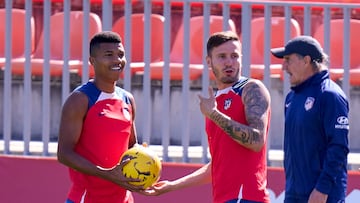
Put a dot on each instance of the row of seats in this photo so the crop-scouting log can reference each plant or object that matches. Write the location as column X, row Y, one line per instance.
column 336, row 43
column 336, row 51
column 56, row 42
column 137, row 65
column 76, row 23
column 176, row 54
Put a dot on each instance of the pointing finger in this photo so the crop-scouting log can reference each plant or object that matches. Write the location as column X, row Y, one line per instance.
column 211, row 92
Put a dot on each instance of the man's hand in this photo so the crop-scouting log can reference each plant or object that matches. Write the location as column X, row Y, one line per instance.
column 207, row 105
column 159, row 188
column 116, row 175
column 317, row 197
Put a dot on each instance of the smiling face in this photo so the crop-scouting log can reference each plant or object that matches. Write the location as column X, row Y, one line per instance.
column 225, row 62
column 108, row 60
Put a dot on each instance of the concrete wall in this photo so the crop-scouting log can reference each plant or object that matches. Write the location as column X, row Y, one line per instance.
column 176, row 110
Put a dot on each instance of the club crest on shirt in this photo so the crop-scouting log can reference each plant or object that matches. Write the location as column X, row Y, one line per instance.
column 309, row 103
column 227, row 104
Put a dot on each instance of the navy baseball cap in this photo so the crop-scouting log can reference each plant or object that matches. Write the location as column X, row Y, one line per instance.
column 303, row 45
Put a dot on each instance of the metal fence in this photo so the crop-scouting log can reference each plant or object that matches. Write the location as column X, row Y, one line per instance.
column 30, row 102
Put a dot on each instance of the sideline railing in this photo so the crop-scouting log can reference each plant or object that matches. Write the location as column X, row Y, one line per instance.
column 31, row 104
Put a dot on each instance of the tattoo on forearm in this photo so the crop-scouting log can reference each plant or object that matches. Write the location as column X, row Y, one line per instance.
column 247, row 136
column 238, row 132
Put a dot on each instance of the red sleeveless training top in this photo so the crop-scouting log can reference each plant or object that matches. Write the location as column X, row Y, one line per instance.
column 237, row 172
column 104, row 138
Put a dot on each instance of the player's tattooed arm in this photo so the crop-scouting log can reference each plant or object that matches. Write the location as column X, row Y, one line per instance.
column 256, row 100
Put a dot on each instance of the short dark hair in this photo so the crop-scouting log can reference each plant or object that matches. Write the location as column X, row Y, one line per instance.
column 220, row 38
column 103, row 37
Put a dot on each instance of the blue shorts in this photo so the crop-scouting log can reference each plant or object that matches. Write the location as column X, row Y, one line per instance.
column 69, row 201
column 241, row 201
column 302, row 200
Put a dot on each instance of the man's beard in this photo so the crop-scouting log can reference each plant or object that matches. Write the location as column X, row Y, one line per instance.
column 228, row 79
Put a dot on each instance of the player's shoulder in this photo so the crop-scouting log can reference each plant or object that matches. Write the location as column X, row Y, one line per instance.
column 126, row 95
column 77, row 96
column 256, row 88
column 88, row 89
column 77, row 101
column 253, row 81
column 122, row 91
column 252, row 84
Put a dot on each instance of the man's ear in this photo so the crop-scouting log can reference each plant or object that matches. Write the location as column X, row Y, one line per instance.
column 208, row 61
column 307, row 59
column 92, row 60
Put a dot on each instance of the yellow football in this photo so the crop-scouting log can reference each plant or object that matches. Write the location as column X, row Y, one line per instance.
column 144, row 164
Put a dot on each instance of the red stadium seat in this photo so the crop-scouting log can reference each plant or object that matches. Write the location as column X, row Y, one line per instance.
column 18, row 34
column 137, row 39
column 336, row 45
column 91, row 1
column 277, row 40
column 196, row 49
column 113, row 1
column 57, row 44
column 355, row 77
